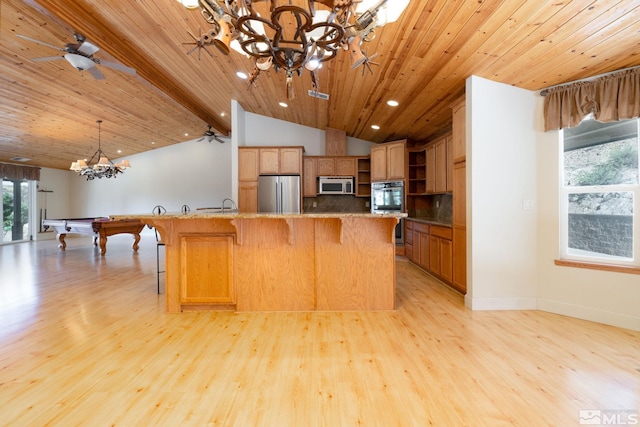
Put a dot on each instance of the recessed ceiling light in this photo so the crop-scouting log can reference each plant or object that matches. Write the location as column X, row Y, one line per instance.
column 119, row 151
column 152, row 142
column 283, row 104
column 186, row 134
column 392, row 103
column 376, row 127
column 222, row 114
column 242, row 75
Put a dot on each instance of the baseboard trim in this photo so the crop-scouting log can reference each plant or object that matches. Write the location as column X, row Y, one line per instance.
column 590, row 314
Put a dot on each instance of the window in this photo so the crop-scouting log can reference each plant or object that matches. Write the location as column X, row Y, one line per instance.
column 16, row 210
column 600, row 193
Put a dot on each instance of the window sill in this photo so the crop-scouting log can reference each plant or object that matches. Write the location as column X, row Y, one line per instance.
column 602, row 267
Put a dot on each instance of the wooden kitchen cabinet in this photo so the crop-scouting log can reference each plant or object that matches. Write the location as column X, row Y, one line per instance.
column 248, row 196
column 459, row 184
column 378, row 163
column 440, row 247
column 408, row 239
column 290, row 160
column 345, row 166
column 269, row 161
column 326, row 166
column 441, row 165
column 207, row 269
column 446, row 260
column 430, row 246
column 431, row 169
column 459, row 124
column 459, row 280
column 248, row 164
column 421, row 244
column 424, row 258
column 438, row 166
column 336, row 166
column 280, row 160
column 388, row 161
column 449, row 163
column 310, row 183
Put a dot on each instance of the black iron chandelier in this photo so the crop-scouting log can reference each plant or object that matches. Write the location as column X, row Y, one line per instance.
column 290, row 37
column 104, row 168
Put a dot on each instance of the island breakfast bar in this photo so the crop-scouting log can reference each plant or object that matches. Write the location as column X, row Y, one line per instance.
column 277, row 262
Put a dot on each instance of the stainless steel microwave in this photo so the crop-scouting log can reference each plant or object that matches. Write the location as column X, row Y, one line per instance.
column 335, row 184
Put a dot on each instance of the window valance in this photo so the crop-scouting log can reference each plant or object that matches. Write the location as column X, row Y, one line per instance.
column 19, row 172
column 610, row 98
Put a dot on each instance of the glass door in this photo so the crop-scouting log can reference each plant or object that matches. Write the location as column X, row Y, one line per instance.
column 16, row 211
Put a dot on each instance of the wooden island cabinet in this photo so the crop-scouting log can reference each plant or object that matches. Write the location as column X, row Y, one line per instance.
column 277, row 262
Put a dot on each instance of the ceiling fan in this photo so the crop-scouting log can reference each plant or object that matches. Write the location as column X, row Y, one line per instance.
column 209, row 135
column 80, row 56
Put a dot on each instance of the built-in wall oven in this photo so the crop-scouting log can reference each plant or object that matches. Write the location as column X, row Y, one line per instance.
column 388, row 197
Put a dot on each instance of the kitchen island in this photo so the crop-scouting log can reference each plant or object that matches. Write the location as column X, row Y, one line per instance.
column 277, row 262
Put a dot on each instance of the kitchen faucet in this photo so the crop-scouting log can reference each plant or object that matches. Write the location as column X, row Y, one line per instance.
column 233, row 207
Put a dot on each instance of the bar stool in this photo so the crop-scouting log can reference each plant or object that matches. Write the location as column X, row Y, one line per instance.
column 159, row 210
column 159, row 271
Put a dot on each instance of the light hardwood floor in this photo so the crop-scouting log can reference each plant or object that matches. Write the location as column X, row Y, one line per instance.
column 85, row 341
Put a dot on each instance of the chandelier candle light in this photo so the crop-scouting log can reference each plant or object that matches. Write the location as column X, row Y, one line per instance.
column 292, row 37
column 105, row 168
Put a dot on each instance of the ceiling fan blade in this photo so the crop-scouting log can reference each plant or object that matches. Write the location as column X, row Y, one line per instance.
column 200, row 139
column 218, row 139
column 88, row 48
column 117, row 66
column 95, row 73
column 39, row 42
column 47, row 58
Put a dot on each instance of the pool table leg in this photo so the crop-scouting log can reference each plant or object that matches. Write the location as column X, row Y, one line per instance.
column 136, row 240
column 62, row 244
column 103, row 244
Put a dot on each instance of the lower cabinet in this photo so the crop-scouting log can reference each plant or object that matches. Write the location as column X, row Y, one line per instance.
column 206, row 263
column 430, row 246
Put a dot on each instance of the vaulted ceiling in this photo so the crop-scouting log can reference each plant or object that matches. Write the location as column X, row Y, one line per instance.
column 48, row 110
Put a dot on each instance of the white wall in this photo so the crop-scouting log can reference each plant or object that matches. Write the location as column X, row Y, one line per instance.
column 512, row 251
column 600, row 296
column 262, row 130
column 501, row 174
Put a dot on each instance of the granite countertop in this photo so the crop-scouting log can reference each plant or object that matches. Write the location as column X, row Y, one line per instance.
column 231, row 215
column 432, row 221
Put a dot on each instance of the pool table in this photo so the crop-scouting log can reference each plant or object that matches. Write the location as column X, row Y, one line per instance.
column 99, row 228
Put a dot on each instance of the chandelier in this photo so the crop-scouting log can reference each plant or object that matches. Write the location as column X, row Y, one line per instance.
column 104, row 168
column 292, row 38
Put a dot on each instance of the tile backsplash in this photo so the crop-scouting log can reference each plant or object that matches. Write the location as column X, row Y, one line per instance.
column 440, row 208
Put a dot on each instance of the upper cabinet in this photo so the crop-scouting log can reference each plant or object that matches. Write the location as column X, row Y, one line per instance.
column 459, row 124
column 249, row 164
column 430, row 167
column 280, row 160
column 388, row 161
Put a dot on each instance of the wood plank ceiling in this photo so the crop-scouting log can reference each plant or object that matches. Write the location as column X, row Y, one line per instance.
column 48, row 110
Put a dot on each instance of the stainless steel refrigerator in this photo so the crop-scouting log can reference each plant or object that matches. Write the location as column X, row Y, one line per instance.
column 279, row 194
